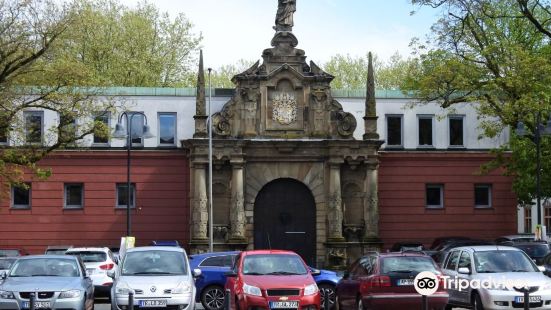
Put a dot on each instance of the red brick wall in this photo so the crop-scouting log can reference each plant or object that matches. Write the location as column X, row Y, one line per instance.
column 162, row 186
column 403, row 216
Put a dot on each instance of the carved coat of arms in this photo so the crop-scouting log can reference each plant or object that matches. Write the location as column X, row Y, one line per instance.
column 284, row 108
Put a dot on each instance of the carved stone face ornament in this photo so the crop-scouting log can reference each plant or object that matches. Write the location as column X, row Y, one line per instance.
column 284, row 108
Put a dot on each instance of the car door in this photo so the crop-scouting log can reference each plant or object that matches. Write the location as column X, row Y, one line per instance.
column 450, row 270
column 464, row 295
column 345, row 286
column 232, row 282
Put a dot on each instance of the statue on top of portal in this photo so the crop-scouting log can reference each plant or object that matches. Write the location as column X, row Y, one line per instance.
column 284, row 16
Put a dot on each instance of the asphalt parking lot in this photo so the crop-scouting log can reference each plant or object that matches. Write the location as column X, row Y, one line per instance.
column 103, row 304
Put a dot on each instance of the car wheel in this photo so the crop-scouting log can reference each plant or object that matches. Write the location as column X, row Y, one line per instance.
column 477, row 302
column 212, row 298
column 327, row 290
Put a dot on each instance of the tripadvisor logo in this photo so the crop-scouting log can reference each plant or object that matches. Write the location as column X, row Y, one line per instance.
column 426, row 283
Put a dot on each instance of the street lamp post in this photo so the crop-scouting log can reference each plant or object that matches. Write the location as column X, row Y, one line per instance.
column 121, row 133
column 540, row 130
column 211, row 232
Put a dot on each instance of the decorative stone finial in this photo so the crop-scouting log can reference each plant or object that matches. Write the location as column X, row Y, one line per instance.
column 200, row 103
column 370, row 118
column 284, row 16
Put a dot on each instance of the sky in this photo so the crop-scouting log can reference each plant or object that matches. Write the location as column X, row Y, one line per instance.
column 242, row 29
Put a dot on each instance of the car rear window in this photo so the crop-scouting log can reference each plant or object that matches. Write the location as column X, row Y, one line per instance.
column 534, row 250
column 404, row 264
column 9, row 253
column 90, row 256
column 218, row 261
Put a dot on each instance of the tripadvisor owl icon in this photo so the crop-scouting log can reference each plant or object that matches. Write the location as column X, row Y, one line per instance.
column 426, row 283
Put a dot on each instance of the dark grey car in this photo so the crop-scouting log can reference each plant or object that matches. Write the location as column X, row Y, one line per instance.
column 57, row 282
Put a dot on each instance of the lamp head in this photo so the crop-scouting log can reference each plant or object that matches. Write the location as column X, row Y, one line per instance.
column 147, row 132
column 521, row 129
column 120, row 131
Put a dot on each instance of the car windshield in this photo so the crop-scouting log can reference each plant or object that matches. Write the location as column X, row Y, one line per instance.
column 9, row 253
column 503, row 261
column 6, row 263
column 534, row 250
column 407, row 264
column 154, row 263
column 45, row 267
column 273, row 264
column 90, row 256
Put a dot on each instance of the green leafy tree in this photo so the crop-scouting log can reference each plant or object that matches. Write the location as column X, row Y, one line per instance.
column 496, row 53
column 221, row 77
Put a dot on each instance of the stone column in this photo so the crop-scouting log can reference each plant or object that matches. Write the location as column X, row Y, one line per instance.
column 371, row 204
column 334, row 203
column 370, row 118
column 199, row 214
column 237, row 211
column 200, row 103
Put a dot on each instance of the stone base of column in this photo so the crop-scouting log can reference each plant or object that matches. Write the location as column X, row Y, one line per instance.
column 336, row 255
column 336, row 239
column 199, row 245
column 237, row 240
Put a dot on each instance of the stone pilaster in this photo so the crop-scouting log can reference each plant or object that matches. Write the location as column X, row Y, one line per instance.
column 200, row 103
column 371, row 204
column 370, row 118
column 199, row 201
column 237, row 212
column 334, row 203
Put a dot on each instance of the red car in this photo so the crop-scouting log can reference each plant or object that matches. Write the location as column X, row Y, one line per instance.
column 272, row 279
column 386, row 281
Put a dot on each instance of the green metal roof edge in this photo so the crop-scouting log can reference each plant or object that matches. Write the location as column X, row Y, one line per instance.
column 191, row 92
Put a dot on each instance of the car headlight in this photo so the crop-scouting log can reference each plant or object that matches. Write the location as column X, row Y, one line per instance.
column 70, row 294
column 123, row 288
column 311, row 289
column 251, row 290
column 546, row 285
column 6, row 295
column 182, row 288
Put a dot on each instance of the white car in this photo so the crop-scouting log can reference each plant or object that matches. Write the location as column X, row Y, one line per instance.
column 98, row 262
column 493, row 273
column 158, row 277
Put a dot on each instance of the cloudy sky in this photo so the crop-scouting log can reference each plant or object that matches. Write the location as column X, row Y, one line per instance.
column 242, row 29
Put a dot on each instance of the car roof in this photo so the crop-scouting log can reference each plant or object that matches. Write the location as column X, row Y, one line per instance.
column 156, row 248
column 517, row 236
column 88, row 249
column 483, row 248
column 524, row 243
column 214, row 254
column 259, row 252
column 48, row 256
column 58, row 247
column 405, row 253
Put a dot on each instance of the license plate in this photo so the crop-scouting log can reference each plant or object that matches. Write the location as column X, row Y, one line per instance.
column 283, row 304
column 37, row 304
column 404, row 282
column 520, row 299
column 152, row 303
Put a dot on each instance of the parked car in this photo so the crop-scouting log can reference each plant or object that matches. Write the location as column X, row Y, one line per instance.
column 59, row 282
column 272, row 279
column 495, row 265
column 440, row 240
column 12, row 252
column 57, row 249
column 210, row 285
column 160, row 277
column 536, row 250
column 404, row 246
column 386, row 281
column 445, row 248
column 510, row 239
column 97, row 262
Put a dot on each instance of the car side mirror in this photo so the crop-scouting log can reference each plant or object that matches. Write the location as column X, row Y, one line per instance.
column 230, row 274
column 196, row 272
column 111, row 274
column 541, row 268
column 3, row 275
column 315, row 272
column 464, row 270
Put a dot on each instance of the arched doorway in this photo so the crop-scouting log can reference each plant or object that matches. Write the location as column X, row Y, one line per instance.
column 285, row 218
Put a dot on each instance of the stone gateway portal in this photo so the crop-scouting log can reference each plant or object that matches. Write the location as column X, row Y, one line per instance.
column 287, row 167
column 285, row 218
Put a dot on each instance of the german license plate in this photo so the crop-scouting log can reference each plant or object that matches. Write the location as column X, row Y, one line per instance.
column 404, row 282
column 283, row 304
column 520, row 299
column 152, row 303
column 37, row 304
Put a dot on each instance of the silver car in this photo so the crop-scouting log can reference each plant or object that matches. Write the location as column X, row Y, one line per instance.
column 56, row 281
column 485, row 277
column 158, row 277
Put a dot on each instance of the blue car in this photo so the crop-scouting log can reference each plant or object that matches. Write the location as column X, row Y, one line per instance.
column 210, row 285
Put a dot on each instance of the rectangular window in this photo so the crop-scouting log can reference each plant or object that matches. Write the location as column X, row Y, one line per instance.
column 21, row 197
column 122, row 193
column 136, row 132
column 483, row 196
column 456, row 131
column 394, row 130
column 74, row 196
column 167, row 129
column 528, row 219
column 102, row 117
column 425, row 130
column 435, row 195
column 34, row 123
